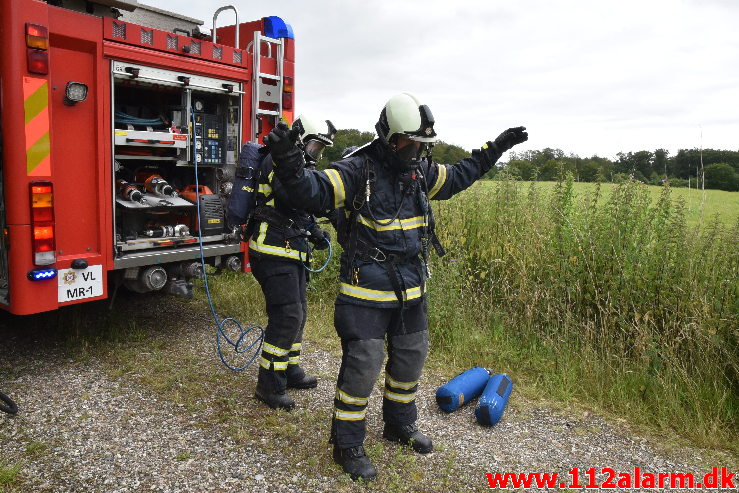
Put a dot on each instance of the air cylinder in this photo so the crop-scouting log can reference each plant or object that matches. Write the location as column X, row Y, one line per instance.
column 462, row 388
column 493, row 400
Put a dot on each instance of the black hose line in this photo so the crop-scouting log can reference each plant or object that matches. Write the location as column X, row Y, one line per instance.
column 11, row 407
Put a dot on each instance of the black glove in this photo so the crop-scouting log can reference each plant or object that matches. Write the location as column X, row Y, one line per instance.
column 287, row 157
column 319, row 237
column 502, row 143
column 281, row 140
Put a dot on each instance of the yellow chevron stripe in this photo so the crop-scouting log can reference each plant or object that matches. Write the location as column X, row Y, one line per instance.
column 36, row 114
column 37, row 153
column 35, row 102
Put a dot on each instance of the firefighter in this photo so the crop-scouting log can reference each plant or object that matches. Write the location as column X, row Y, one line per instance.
column 386, row 228
column 279, row 247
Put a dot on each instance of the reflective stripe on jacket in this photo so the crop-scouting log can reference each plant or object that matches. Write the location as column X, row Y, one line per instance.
column 270, row 239
column 343, row 186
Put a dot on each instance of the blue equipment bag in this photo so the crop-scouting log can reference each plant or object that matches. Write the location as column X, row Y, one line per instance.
column 462, row 388
column 494, row 398
column 243, row 197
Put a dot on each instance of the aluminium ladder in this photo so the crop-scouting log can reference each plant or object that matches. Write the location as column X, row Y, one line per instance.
column 263, row 92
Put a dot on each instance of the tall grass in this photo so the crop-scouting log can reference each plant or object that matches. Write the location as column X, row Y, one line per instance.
column 611, row 299
column 615, row 300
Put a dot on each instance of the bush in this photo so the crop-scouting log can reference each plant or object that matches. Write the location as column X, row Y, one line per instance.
column 677, row 182
column 620, row 177
column 721, row 176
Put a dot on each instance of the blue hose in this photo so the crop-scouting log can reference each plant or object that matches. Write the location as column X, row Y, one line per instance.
column 328, row 258
column 239, row 344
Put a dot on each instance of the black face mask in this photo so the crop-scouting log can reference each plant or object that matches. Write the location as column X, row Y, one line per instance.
column 408, row 157
column 313, row 150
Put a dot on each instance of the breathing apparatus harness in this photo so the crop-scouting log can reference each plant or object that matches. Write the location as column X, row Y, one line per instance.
column 240, row 344
column 290, row 229
column 414, row 183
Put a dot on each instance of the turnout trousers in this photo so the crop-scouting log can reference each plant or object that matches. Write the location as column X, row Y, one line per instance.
column 364, row 333
column 283, row 284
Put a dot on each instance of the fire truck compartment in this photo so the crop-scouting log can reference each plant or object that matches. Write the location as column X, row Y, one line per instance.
column 163, row 120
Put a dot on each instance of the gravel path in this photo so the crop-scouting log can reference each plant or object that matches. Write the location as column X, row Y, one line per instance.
column 80, row 428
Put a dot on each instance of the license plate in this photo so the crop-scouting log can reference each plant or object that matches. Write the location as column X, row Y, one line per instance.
column 76, row 284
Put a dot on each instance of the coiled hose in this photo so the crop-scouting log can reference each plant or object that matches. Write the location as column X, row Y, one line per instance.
column 240, row 344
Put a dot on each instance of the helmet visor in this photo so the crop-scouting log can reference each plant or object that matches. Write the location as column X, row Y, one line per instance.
column 411, row 151
column 314, row 149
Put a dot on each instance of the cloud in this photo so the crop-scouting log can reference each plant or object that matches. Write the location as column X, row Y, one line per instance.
column 586, row 77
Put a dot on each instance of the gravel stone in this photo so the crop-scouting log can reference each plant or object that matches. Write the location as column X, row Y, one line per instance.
column 105, row 434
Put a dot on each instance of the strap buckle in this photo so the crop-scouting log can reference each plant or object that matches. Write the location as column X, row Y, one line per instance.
column 377, row 255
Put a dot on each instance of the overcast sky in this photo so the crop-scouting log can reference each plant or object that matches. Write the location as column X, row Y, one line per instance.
column 586, row 76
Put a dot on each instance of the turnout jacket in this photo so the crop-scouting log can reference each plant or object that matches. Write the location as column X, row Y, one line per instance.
column 279, row 225
column 384, row 234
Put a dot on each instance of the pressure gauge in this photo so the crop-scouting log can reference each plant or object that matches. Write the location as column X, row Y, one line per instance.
column 198, row 105
column 198, row 145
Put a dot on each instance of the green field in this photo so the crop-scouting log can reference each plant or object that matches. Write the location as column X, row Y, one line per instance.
column 623, row 297
column 700, row 207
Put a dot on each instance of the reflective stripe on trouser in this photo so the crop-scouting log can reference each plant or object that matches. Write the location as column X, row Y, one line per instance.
column 283, row 285
column 294, row 354
column 361, row 364
column 406, row 355
column 294, row 372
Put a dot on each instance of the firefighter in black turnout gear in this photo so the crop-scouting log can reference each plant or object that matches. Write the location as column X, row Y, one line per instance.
column 385, row 224
column 278, row 247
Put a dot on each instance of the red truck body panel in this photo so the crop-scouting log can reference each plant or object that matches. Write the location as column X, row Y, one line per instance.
column 46, row 139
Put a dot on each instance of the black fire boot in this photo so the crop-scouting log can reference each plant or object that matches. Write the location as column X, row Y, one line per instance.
column 297, row 379
column 408, row 435
column 271, row 390
column 355, row 463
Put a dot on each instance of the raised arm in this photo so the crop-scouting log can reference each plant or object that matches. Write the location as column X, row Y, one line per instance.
column 445, row 180
column 312, row 190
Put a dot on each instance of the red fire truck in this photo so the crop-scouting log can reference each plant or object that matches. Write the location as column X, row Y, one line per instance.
column 105, row 108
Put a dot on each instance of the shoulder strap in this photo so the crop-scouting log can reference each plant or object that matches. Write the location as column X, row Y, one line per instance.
column 350, row 233
column 429, row 212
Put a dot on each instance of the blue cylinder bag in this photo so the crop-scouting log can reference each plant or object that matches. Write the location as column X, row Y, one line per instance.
column 494, row 399
column 462, row 388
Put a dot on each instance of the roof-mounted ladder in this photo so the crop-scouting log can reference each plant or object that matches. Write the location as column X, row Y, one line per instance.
column 262, row 92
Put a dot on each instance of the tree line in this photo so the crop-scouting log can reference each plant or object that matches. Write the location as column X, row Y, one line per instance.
column 717, row 169
column 712, row 168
